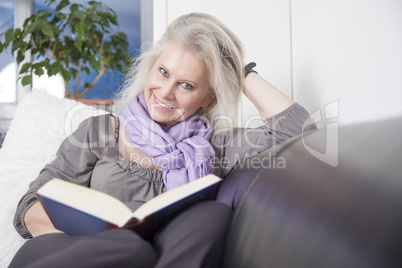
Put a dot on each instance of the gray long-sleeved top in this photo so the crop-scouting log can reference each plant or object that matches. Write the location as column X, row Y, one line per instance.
column 91, row 157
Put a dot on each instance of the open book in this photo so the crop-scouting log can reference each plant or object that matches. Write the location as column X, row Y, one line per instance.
column 79, row 210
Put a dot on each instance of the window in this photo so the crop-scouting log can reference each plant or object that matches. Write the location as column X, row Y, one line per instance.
column 7, row 66
column 14, row 12
column 128, row 13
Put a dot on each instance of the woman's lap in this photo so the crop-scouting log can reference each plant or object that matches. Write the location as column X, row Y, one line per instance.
column 114, row 247
column 194, row 238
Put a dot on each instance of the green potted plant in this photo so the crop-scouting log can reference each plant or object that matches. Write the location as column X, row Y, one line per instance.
column 71, row 40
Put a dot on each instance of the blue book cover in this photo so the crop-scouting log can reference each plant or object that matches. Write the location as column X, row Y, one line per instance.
column 81, row 211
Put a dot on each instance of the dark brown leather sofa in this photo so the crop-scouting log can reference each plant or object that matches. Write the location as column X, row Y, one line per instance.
column 313, row 214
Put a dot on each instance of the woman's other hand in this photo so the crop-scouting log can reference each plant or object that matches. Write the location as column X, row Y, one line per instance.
column 37, row 222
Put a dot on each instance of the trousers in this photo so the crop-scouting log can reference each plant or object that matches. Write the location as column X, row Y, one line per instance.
column 194, row 238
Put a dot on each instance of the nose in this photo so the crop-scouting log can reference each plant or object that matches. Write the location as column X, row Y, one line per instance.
column 168, row 90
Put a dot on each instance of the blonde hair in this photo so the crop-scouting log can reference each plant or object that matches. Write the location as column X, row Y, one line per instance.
column 222, row 52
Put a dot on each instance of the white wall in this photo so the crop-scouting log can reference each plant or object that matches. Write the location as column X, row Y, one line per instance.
column 351, row 52
column 262, row 25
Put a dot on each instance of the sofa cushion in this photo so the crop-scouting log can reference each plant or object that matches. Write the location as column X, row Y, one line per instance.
column 40, row 124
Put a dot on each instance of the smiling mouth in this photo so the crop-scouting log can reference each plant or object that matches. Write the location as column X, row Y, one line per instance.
column 163, row 105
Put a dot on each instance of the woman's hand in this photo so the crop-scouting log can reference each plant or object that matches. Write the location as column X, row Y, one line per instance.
column 37, row 221
column 267, row 98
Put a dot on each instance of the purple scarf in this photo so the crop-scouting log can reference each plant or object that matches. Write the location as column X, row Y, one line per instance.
column 182, row 151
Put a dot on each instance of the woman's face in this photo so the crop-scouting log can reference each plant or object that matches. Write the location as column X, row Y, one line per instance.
column 177, row 86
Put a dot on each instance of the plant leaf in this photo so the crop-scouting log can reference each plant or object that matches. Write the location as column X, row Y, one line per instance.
column 80, row 28
column 25, row 67
column 94, row 63
column 9, row 35
column 78, row 43
column 31, row 27
column 17, row 32
column 81, row 15
column 49, row 2
column 26, row 80
column 39, row 71
column 56, row 68
column 61, row 16
column 74, row 8
column 87, row 70
column 62, row 4
column 66, row 75
column 40, row 12
column 26, row 21
column 44, row 39
column 47, row 29
column 20, row 56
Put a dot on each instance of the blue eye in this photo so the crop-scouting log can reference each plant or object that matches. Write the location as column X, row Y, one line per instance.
column 163, row 72
column 187, row 86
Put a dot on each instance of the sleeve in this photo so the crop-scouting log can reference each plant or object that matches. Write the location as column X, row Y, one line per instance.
column 238, row 144
column 74, row 162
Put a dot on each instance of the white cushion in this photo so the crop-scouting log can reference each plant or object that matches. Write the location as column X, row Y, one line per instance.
column 40, row 124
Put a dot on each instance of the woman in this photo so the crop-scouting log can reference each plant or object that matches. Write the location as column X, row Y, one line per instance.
column 179, row 103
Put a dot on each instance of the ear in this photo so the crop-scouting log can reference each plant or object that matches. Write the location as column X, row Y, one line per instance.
column 211, row 97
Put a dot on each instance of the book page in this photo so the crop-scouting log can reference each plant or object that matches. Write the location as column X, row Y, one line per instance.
column 167, row 198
